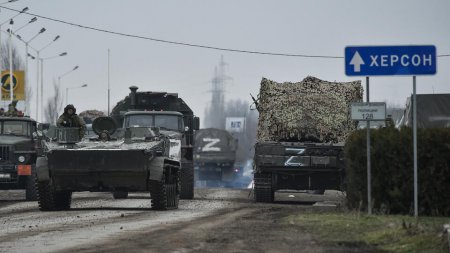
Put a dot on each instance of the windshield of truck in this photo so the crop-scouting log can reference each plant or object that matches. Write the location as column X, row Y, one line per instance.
column 139, row 121
column 21, row 128
column 170, row 122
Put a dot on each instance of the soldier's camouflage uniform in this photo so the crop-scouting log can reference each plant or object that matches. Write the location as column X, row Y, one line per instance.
column 67, row 120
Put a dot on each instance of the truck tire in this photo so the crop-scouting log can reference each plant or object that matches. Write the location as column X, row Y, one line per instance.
column 263, row 188
column 120, row 194
column 30, row 187
column 165, row 194
column 187, row 182
column 50, row 199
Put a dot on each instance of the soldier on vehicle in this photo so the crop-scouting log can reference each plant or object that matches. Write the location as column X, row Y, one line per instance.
column 12, row 110
column 104, row 136
column 70, row 119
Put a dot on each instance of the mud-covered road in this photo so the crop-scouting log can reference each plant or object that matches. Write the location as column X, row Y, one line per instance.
column 217, row 220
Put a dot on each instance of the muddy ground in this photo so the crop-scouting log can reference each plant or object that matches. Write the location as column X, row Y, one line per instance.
column 217, row 220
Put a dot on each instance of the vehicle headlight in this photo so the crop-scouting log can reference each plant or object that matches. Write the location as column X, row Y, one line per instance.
column 21, row 158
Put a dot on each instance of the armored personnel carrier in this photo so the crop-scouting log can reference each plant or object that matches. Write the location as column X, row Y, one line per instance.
column 135, row 159
column 18, row 154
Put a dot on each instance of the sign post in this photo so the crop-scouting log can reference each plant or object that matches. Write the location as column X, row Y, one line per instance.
column 369, row 112
column 392, row 60
column 235, row 124
column 416, row 200
column 369, row 167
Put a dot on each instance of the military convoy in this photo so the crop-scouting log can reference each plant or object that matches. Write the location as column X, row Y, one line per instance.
column 131, row 159
column 150, row 146
column 154, row 102
column 301, row 133
column 18, row 153
column 215, row 155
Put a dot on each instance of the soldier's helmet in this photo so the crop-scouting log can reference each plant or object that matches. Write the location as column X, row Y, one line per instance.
column 104, row 136
column 70, row 106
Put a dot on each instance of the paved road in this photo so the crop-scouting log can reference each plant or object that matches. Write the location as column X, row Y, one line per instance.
column 217, row 220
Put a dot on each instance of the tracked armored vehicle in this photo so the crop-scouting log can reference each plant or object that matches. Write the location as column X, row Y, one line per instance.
column 135, row 159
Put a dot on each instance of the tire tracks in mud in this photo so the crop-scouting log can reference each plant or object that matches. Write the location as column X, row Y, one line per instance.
column 217, row 219
column 90, row 220
column 256, row 228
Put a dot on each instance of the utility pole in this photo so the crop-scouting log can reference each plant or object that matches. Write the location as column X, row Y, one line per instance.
column 218, row 96
column 11, row 72
column 108, row 80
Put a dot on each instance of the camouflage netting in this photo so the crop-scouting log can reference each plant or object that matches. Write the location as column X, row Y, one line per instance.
column 89, row 115
column 311, row 110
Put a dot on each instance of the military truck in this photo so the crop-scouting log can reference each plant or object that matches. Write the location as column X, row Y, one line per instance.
column 302, row 129
column 18, row 154
column 135, row 159
column 165, row 102
column 214, row 155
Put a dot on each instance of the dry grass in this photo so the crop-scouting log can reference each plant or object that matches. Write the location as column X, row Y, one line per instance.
column 389, row 233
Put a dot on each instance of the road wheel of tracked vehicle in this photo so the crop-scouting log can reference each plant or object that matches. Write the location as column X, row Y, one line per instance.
column 165, row 193
column 50, row 199
column 263, row 188
column 187, row 182
column 120, row 195
column 30, row 187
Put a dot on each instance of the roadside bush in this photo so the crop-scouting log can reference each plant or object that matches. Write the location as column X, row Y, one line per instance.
column 393, row 173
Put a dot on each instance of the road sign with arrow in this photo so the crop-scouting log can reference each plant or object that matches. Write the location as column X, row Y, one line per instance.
column 390, row 60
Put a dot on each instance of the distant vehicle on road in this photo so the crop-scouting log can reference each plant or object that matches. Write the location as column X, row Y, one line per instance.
column 215, row 155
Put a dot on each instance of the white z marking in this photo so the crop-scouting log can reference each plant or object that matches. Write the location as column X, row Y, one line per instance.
column 210, row 145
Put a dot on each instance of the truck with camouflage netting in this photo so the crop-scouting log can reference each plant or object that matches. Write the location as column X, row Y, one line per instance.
column 132, row 159
column 301, row 133
column 164, row 102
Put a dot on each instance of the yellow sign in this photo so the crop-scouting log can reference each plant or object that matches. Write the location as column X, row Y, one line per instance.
column 18, row 85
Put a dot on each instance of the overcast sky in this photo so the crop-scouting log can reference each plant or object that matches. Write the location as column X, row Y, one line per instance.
column 295, row 27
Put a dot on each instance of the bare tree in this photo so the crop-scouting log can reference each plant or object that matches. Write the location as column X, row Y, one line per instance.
column 54, row 105
column 17, row 60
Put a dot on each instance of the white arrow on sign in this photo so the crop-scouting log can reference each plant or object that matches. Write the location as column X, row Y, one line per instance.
column 357, row 61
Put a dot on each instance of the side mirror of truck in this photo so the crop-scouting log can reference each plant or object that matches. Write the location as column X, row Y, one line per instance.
column 196, row 123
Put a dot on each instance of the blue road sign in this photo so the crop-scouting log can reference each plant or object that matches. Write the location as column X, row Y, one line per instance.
column 390, row 60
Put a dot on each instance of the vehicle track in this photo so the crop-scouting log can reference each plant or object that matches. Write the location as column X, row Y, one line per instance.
column 97, row 222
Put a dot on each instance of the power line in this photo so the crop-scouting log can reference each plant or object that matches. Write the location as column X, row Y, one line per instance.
column 183, row 43
column 175, row 42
